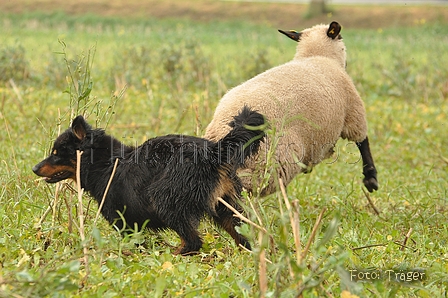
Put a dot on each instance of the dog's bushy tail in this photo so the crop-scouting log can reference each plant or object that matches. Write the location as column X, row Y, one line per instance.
column 244, row 139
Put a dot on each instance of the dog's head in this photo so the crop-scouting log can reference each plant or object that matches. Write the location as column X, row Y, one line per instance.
column 61, row 164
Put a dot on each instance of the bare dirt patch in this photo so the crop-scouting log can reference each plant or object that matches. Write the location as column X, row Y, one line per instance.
column 285, row 15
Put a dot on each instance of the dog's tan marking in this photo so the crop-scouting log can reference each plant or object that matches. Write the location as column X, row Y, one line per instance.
column 48, row 170
column 225, row 187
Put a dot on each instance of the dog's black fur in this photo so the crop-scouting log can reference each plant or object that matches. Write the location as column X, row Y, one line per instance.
column 169, row 182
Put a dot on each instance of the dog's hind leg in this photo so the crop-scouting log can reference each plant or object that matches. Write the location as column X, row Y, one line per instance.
column 191, row 243
column 225, row 219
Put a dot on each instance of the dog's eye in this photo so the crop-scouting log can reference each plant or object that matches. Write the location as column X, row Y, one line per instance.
column 55, row 152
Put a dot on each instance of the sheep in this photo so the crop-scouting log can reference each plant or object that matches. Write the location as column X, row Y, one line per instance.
column 310, row 102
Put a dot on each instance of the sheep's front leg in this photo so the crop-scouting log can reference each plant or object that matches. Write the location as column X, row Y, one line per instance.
column 368, row 168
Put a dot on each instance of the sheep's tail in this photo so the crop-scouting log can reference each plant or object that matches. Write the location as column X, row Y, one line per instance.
column 244, row 139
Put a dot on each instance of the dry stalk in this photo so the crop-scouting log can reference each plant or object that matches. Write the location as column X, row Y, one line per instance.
column 367, row 195
column 368, row 246
column 56, row 193
column 81, row 213
column 296, row 230
column 285, row 230
column 42, row 218
column 444, row 158
column 13, row 151
column 326, row 292
column 105, row 192
column 2, row 105
column 294, row 220
column 55, row 203
column 17, row 92
column 406, row 238
column 198, row 121
column 249, row 251
column 245, row 219
column 262, row 268
column 255, row 212
column 68, row 204
column 313, row 232
column 402, row 247
column 240, row 216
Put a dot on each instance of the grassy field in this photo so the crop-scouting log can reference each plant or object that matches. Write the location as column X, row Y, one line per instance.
column 146, row 76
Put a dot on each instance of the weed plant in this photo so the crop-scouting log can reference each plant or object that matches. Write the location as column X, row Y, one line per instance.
column 142, row 78
column 13, row 64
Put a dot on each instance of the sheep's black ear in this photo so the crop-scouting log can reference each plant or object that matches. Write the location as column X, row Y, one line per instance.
column 333, row 30
column 294, row 35
column 80, row 127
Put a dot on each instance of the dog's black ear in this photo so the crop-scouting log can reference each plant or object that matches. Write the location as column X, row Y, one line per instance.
column 333, row 30
column 80, row 127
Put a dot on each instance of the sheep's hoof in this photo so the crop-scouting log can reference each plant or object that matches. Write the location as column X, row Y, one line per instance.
column 371, row 184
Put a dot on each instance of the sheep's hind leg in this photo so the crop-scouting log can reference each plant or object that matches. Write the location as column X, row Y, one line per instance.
column 368, row 167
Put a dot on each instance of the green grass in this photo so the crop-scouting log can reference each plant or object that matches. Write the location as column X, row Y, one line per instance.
column 175, row 73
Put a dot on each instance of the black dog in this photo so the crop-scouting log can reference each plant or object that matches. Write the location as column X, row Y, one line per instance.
column 167, row 182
